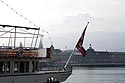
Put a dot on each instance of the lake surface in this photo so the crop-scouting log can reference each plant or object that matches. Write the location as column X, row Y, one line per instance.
column 97, row 75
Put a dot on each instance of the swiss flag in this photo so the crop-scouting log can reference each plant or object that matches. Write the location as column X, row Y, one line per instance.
column 80, row 42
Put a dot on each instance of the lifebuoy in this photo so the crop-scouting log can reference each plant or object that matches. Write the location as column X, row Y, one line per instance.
column 20, row 52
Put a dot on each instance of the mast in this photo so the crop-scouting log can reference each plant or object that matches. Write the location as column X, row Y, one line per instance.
column 15, row 38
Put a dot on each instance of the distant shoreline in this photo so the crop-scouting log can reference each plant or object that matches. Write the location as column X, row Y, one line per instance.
column 99, row 65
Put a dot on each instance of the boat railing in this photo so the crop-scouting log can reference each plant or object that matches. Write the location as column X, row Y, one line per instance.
column 57, row 68
column 23, row 36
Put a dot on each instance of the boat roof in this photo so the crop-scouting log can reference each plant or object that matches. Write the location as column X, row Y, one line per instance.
column 12, row 37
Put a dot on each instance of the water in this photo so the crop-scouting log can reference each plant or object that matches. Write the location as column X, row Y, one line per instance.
column 97, row 75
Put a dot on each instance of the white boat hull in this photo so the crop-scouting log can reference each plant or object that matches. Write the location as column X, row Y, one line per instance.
column 35, row 78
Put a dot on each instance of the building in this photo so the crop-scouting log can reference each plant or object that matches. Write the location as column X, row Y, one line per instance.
column 94, row 58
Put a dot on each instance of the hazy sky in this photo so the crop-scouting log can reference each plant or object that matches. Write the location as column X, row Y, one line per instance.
column 66, row 19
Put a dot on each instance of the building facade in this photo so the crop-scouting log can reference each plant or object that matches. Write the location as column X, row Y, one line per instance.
column 94, row 58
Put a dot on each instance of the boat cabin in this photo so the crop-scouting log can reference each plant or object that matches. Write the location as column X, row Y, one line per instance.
column 17, row 59
column 11, row 66
column 12, row 62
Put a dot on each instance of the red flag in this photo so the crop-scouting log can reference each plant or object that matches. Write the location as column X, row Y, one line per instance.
column 80, row 42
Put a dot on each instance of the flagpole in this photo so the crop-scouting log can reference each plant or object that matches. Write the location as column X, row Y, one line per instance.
column 69, row 58
column 79, row 45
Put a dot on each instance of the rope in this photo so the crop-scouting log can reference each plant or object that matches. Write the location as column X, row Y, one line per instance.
column 25, row 18
column 6, row 32
column 50, row 38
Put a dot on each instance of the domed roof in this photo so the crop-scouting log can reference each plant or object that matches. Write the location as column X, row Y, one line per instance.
column 90, row 48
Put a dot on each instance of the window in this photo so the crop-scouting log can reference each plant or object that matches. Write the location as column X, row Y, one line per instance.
column 8, row 67
column 33, row 65
column 4, row 67
column 27, row 66
column 36, row 66
column 1, row 67
column 16, row 65
column 21, row 67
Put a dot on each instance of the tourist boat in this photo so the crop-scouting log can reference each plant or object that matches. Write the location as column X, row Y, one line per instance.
column 19, row 63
